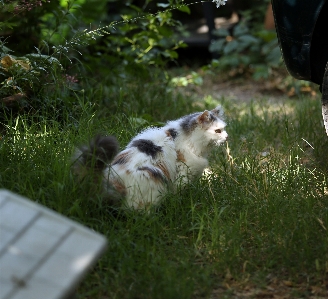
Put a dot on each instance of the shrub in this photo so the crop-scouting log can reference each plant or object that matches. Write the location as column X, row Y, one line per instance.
column 247, row 50
column 59, row 53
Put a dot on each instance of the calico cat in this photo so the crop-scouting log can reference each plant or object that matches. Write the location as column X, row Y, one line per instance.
column 154, row 161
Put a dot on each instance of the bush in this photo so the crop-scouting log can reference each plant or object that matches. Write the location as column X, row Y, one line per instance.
column 62, row 51
column 247, row 49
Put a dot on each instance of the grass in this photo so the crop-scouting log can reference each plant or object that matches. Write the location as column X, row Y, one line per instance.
column 255, row 224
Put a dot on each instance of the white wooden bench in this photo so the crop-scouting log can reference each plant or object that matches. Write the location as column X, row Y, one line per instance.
column 43, row 255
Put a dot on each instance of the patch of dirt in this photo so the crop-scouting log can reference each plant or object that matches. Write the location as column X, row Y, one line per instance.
column 279, row 87
column 242, row 89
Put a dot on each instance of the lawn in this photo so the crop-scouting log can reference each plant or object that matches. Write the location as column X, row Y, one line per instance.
column 254, row 226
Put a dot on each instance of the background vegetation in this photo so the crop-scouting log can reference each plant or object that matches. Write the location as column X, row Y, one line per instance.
column 254, row 225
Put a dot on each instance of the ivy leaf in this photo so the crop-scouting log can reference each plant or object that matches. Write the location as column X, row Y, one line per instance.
column 247, row 41
column 230, row 47
column 240, row 30
column 218, row 45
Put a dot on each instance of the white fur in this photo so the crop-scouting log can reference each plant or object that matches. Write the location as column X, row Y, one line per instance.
column 142, row 191
column 183, row 156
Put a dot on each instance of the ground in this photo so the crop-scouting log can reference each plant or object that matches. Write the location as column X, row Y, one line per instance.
column 245, row 88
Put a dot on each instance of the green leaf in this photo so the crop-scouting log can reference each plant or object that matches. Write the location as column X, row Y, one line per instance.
column 196, row 78
column 261, row 71
column 274, row 57
column 230, row 61
column 171, row 54
column 230, row 47
column 9, row 25
column 267, row 35
column 240, row 29
column 245, row 59
column 269, row 46
column 221, row 32
column 218, row 45
column 184, row 8
column 248, row 39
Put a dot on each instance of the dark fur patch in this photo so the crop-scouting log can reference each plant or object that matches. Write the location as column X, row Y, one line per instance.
column 212, row 117
column 144, row 205
column 154, row 173
column 172, row 132
column 121, row 158
column 100, row 152
column 189, row 123
column 147, row 147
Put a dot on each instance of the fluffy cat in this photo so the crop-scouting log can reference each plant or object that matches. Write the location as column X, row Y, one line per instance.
column 155, row 160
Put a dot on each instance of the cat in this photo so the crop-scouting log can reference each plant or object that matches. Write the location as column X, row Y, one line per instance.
column 154, row 161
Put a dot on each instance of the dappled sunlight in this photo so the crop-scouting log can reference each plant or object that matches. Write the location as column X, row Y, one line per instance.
column 254, row 224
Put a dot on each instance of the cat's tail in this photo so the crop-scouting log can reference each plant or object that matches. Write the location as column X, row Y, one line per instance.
column 94, row 156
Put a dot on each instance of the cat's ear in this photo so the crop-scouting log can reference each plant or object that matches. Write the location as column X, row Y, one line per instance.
column 218, row 111
column 204, row 117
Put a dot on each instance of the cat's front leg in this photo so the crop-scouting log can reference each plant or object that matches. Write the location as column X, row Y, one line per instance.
column 191, row 167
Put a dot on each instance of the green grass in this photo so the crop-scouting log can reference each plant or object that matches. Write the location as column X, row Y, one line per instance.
column 260, row 213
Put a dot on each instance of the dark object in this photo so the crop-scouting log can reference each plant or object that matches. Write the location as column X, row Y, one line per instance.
column 99, row 152
column 147, row 147
column 325, row 99
column 302, row 32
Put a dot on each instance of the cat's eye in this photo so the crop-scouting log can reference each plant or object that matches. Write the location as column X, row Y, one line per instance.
column 218, row 131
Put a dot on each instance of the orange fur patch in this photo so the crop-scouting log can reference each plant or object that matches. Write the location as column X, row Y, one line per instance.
column 180, row 156
column 144, row 205
column 204, row 117
column 168, row 134
column 154, row 174
column 119, row 186
column 164, row 169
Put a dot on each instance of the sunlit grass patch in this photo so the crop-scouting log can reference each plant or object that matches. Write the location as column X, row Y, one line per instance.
column 257, row 218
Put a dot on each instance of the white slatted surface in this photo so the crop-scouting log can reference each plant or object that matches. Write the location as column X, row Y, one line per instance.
column 43, row 255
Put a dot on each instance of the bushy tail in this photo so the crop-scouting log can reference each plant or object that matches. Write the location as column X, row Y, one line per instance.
column 96, row 155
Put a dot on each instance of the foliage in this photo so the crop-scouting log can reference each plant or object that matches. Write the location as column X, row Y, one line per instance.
column 62, row 53
column 21, row 22
column 245, row 50
column 254, row 13
column 192, row 79
column 149, row 41
column 257, row 217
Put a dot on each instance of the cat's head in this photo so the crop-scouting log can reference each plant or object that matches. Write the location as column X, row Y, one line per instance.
column 213, row 125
